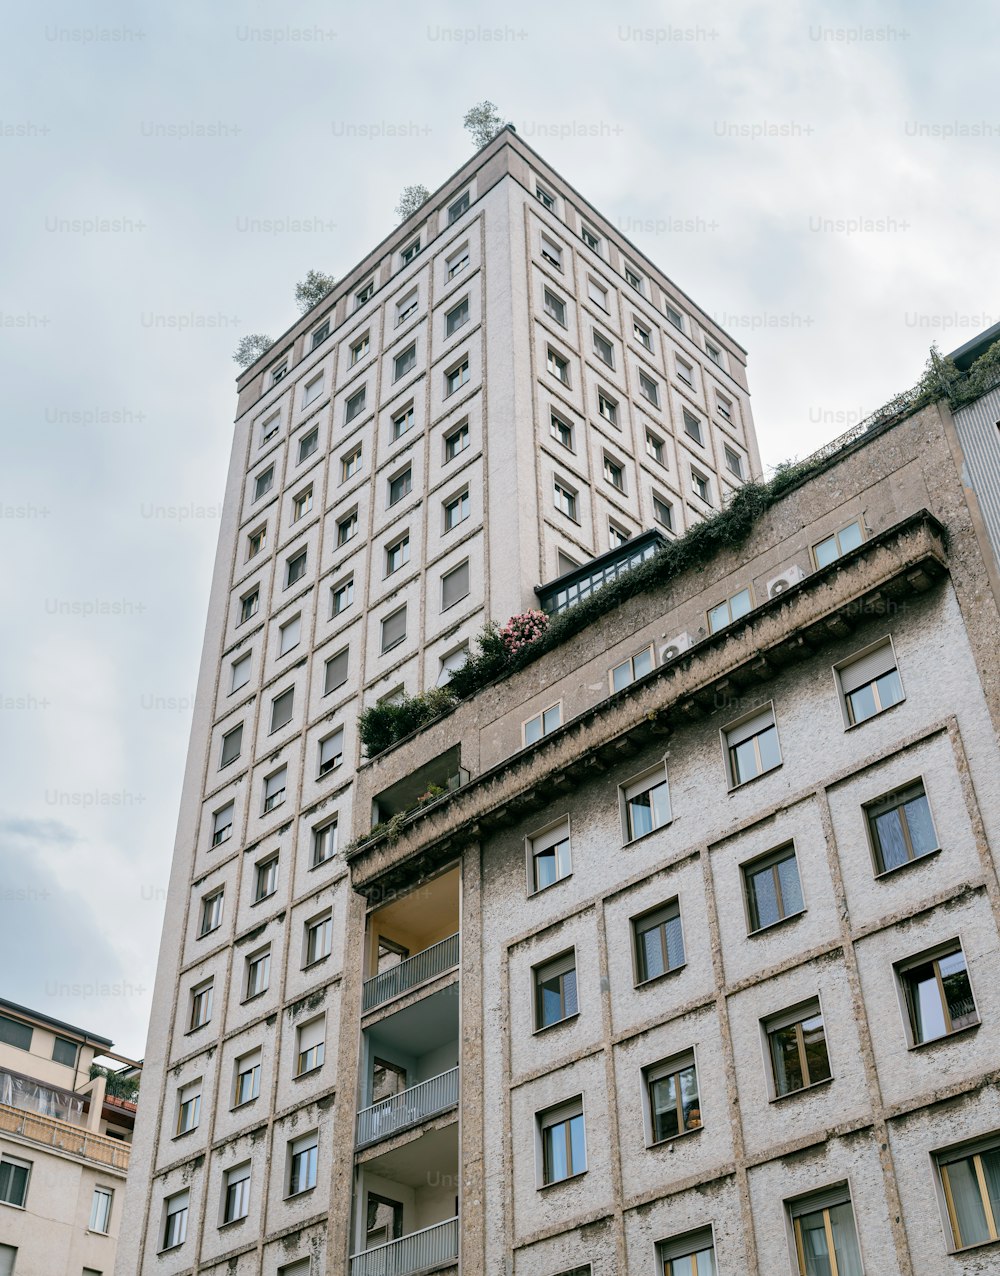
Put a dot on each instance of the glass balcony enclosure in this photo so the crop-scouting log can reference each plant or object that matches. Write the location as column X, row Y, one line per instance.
column 573, row 586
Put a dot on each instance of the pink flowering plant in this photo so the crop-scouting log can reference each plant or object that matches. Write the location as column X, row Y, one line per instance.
column 522, row 630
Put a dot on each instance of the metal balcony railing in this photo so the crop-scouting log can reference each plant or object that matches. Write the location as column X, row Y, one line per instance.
column 434, row 1246
column 65, row 1137
column 409, row 1107
column 412, row 971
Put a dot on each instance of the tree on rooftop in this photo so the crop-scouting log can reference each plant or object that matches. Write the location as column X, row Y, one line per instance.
column 410, row 200
column 483, row 122
column 251, row 347
column 311, row 290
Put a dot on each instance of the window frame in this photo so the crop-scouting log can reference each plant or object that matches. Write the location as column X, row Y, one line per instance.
column 355, row 404
column 461, row 308
column 820, row 1202
column 564, row 1113
column 656, row 918
column 736, row 781
column 758, row 864
column 235, row 1193
column 263, row 875
column 727, row 602
column 19, row 1164
column 457, row 377
column 541, row 843
column 867, row 657
column 322, row 835
column 540, row 717
column 553, row 306
column 794, row 1017
column 834, row 536
column 649, row 649
column 968, row 1150
column 878, row 806
column 629, row 789
column 904, row 971
column 385, row 648
column 460, row 431
column 557, row 966
column 671, row 1067
column 559, row 486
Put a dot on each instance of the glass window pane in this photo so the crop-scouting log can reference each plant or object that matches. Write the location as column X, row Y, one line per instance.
column 890, row 689
column 826, row 551
column 690, row 1101
column 740, row 604
column 675, row 943
column 642, row 663
column 621, row 676
column 791, row 887
column 545, row 868
column 957, row 991
column 577, row 1144
column 651, row 962
column 763, row 899
column 814, row 1040
column 640, row 810
column 745, row 761
column 968, row 1201
column 785, row 1054
column 991, row 1172
column 891, row 844
column 850, row 537
column 814, row 1246
column 862, row 703
column 718, row 617
column 661, row 804
column 921, row 827
column 770, row 753
column 663, row 1102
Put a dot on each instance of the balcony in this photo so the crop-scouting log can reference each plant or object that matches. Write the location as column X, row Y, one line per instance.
column 573, row 586
column 413, row 939
column 434, row 779
column 419, row 1103
column 432, row 1247
column 63, row 1137
column 412, row 972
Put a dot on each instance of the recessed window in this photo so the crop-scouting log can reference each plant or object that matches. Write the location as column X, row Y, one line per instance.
column 274, row 789
column 564, row 1149
column 335, row 671
column 347, row 528
column 14, row 1177
column 393, row 630
column 312, row 391
column 542, row 723
column 645, row 804
column 258, row 974
column 211, row 912
column 365, row 293
column 266, row 879
column 724, row 407
column 636, row 666
column 551, row 252
column 970, row 1178
column 701, row 486
column 360, row 349
column 289, row 634
column 649, row 389
column 658, row 942
column 263, row 483
column 672, row 1094
column 295, row 568
column 246, row 1082
column 565, row 499
column 561, row 431
column 590, row 238
column 692, row 1254
column 236, row 1194
column 692, row 427
column 355, row 404
column 555, row 990
column 633, row 277
column 302, row 1157
column 557, row 365
column 256, row 541
column 400, row 486
column 309, row 1046
column 450, row 662
column 604, row 350
column 240, row 672
column 607, row 407
column 457, row 262
column 937, row 993
column 713, row 352
column 64, row 1051
column 549, row 854
column 410, row 252
column 654, row 447
column 460, row 206
column 397, row 555
column 404, row 362
column 597, row 293
column 642, row 334
column 900, row 827
column 728, row 611
column 456, row 317
column 734, row 462
column 752, row 747
column 302, row 504
column 350, row 464
column 454, row 586
column 319, row 939
column 544, row 198
column 15, row 1033
column 772, row 888
column 826, row 1240
column 222, row 824
column 321, row 334
column 270, row 428
column 842, row 542
column 456, row 442
column 175, row 1215
column 617, row 535
column 308, row 444
column 797, row 1045
column 331, row 752
column 189, row 1106
column 401, row 423
column 407, row 306
column 685, row 372
column 456, row 510
column 456, row 378
column 663, row 512
column 248, row 605
column 232, row 743
column 201, row 1005
column 554, row 306
column 614, row 473
column 324, row 843
column 342, row 596
column 674, row 316
column 870, row 684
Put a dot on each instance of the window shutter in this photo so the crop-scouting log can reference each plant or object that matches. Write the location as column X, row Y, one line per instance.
column 394, row 629
column 796, row 1014
column 336, row 671
column 281, row 709
column 753, row 726
column 312, row 1034
column 838, row 1194
column 689, row 1243
column 290, row 634
column 275, row 783
column 454, row 586
column 551, row 837
column 331, row 748
column 867, row 668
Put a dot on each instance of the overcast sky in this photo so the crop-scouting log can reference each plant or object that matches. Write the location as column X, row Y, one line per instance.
column 823, row 179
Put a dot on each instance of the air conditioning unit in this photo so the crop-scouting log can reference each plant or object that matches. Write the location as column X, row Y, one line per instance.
column 791, row 576
column 675, row 646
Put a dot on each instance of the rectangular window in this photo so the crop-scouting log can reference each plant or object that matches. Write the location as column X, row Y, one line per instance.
column 13, row 1033
column 350, row 464
column 454, row 586
column 324, row 843
column 797, row 1045
column 833, row 547
column 289, row 634
column 236, row 1200
column 725, row 613
column 407, row 306
column 347, row 528
column 456, row 378
column 256, row 541
column 554, row 307
column 674, row 316
column 201, row 1005
column 404, row 362
column 342, row 596
column 355, row 404
column 240, row 672
column 302, row 1155
column 364, row 294
column 544, row 198
column 321, row 334
column 645, row 804
column 557, row 366
column 752, row 747
column 400, row 486
column 222, row 824
column 564, row 1151
column 734, row 463
column 724, row 408
column 658, row 942
column 248, row 605
column 616, row 535
column 970, row 1178
column 772, row 888
column 14, row 1177
column 674, row 1104
column 279, row 373
column 456, row 511
column 302, row 504
column 560, row 431
column 663, row 512
column 642, row 334
column 870, row 683
column 937, row 993
column 393, row 630
column 175, row 1216
column 319, row 939
column 826, row 1242
column 636, row 666
column 654, row 447
column 549, row 856
column 211, row 912
column 295, row 568
column 604, row 350
column 308, row 444
column 565, row 500
column 335, row 671
column 232, row 743
column 456, row 442
column 270, row 428
column 359, row 349
column 189, row 1107
column 456, row 317
column 633, row 277
column 310, row 1046
column 555, row 990
column 401, row 423
column 331, row 752
column 408, row 253
column 713, row 352
column 450, row 662
column 258, row 974
column 590, row 238
column 597, row 294
column 649, row 389
column 700, row 486
column 692, row 1254
column 281, row 709
column 460, row 206
column 274, row 789
column 900, row 827
column 552, row 253
column 246, row 1084
column 542, row 723
column 685, row 372
column 457, row 263
column 614, row 473
column 64, row 1051
column 607, row 407
column 263, row 483
column 312, row 391
column 397, row 555
column 692, row 427
column 266, row 882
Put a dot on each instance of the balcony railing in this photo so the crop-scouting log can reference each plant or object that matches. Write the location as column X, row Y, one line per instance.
column 64, row 1137
column 409, row 1107
column 410, row 972
column 435, row 1246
